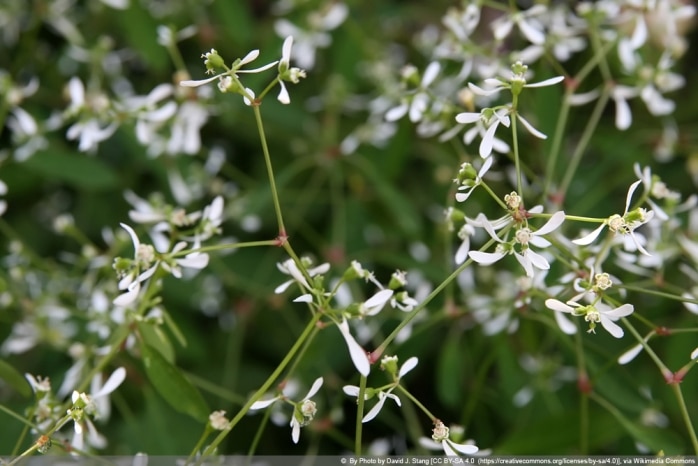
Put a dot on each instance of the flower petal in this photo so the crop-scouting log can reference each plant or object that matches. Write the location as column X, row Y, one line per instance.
column 589, row 238
column 485, row 258
column 552, row 224
column 112, row 383
column 357, row 353
column 314, row 389
column 407, row 366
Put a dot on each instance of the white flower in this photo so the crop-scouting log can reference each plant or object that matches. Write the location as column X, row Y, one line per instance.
column 491, row 118
column 594, row 313
column 94, row 405
column 625, row 224
column 315, row 36
column 141, row 268
column 286, row 72
column 440, row 441
column 417, row 104
column 526, row 21
column 353, row 390
column 303, row 412
column 289, row 267
column 229, row 73
column 525, row 237
column 217, row 420
column 468, row 185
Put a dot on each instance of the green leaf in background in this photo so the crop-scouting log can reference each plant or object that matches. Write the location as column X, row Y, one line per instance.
column 172, row 385
column 153, row 335
column 449, row 366
column 237, row 21
column 78, row 170
column 14, row 379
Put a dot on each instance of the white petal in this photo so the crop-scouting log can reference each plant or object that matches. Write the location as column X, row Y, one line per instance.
column 467, row 117
column 127, row 298
column 465, row 449
column 488, row 140
column 566, row 325
column 195, row 260
column 630, row 354
column 429, row 444
column 112, row 383
column 249, row 57
column 314, row 389
column 611, row 327
column 305, row 298
column 622, row 311
column 286, row 49
column 694, row 354
column 197, row 83
column 357, row 353
column 484, row 92
column 536, row 259
column 134, row 238
column 631, row 191
column 534, row 35
column 559, row 306
column 263, row 403
column 379, row 299
column 283, row 97
column 552, row 224
column 351, row 390
column 525, row 261
column 407, row 366
column 430, row 73
column 531, row 129
column 448, row 449
column 547, row 82
column 589, row 238
column 295, row 430
column 485, row 258
column 283, row 287
column 396, row 113
column 464, row 248
column 376, row 409
column 624, row 117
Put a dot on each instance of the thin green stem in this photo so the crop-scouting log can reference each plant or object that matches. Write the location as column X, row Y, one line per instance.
column 270, row 171
column 589, row 130
column 416, row 402
column 676, row 388
column 360, row 416
column 262, row 390
column 515, row 142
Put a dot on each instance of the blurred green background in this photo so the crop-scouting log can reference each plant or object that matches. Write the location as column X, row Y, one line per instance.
column 372, row 206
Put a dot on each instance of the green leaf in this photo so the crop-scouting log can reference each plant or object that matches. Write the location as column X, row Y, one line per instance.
column 172, row 385
column 448, row 368
column 153, row 335
column 14, row 379
column 79, row 170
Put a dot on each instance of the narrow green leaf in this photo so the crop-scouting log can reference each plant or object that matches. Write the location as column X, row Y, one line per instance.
column 14, row 379
column 78, row 170
column 154, row 336
column 172, row 385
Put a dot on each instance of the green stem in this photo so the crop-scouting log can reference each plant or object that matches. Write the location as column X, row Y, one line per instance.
column 686, row 416
column 262, row 390
column 270, row 171
column 416, row 402
column 515, row 142
column 360, row 416
column 589, row 130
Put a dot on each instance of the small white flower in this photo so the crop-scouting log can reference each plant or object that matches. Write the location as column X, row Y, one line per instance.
column 383, row 395
column 594, row 313
column 625, row 224
column 440, row 441
column 491, row 118
column 217, row 420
